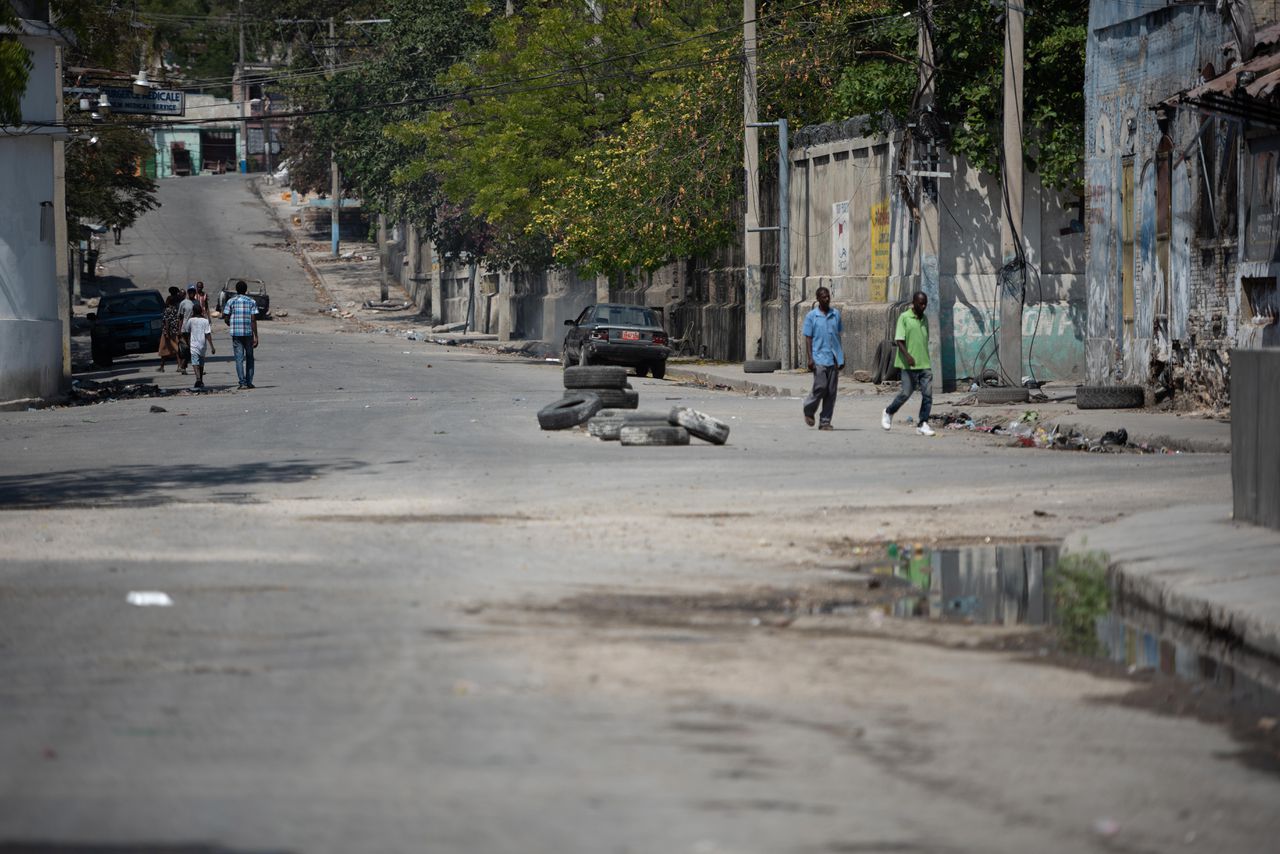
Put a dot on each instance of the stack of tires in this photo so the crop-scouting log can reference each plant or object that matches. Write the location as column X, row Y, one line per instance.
column 600, row 397
column 588, row 389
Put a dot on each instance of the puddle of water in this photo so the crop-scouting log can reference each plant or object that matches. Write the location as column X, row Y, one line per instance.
column 991, row 584
column 1015, row 585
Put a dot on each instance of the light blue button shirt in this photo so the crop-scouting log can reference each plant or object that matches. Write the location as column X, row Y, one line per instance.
column 825, row 331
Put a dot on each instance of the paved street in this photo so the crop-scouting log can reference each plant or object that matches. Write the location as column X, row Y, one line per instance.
column 406, row 619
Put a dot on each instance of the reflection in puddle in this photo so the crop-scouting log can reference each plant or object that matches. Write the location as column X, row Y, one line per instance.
column 1014, row 585
column 999, row 585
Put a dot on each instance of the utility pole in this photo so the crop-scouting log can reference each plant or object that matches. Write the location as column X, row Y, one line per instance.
column 927, row 182
column 753, row 344
column 244, row 97
column 783, row 229
column 1011, row 283
column 335, row 194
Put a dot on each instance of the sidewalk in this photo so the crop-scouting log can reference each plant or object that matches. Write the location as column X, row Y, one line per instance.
column 1193, row 565
column 1170, row 430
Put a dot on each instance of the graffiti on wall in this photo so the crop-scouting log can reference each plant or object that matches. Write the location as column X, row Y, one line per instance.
column 840, row 239
column 879, row 283
column 1053, row 333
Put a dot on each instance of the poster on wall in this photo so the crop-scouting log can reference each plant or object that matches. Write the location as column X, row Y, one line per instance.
column 879, row 282
column 840, row 239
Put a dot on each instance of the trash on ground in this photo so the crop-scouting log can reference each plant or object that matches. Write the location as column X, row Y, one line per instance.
column 149, row 599
column 155, row 408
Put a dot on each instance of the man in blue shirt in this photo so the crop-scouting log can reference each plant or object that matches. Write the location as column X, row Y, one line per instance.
column 240, row 313
column 822, row 328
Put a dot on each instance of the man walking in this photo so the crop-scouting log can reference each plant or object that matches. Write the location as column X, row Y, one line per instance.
column 184, row 314
column 822, row 328
column 241, row 314
column 912, row 340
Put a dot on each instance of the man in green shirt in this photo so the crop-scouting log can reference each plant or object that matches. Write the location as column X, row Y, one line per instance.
column 912, row 340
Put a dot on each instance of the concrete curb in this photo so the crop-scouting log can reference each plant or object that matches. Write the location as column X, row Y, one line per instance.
column 1197, row 567
column 675, row 372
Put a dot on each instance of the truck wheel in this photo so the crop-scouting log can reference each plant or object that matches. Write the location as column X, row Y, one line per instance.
column 653, row 434
column 102, row 357
column 700, row 424
column 598, row 376
column 569, row 412
column 1110, row 397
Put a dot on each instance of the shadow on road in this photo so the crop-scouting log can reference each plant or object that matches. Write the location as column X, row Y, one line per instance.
column 131, row 848
column 151, row 485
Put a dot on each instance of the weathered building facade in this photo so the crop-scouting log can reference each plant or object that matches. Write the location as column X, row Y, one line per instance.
column 1179, row 194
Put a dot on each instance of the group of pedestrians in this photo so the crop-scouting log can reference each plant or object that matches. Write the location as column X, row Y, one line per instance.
column 822, row 328
column 186, row 334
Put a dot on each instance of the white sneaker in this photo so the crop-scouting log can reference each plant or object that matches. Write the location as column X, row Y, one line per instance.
column 925, row 430
column 886, row 420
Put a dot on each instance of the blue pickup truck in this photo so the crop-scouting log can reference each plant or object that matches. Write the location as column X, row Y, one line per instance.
column 126, row 323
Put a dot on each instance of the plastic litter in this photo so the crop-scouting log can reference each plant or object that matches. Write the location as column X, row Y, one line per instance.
column 149, row 599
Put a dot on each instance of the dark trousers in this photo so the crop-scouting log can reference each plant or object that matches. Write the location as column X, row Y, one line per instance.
column 242, row 348
column 912, row 380
column 825, row 379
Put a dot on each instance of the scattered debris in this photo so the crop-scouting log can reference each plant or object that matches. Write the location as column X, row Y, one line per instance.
column 85, row 392
column 155, row 408
column 149, row 598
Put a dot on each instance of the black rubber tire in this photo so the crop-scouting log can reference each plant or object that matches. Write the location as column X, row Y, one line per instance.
column 569, row 411
column 761, row 366
column 596, row 376
column 606, row 424
column 658, row 369
column 102, row 357
column 1110, row 397
column 653, row 434
column 612, row 398
column 642, row 370
column 1002, row 395
column 700, row 424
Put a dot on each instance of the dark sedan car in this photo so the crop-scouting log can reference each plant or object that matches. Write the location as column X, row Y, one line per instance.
column 126, row 323
column 609, row 334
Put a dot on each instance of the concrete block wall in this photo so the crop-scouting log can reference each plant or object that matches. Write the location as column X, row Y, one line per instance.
column 1255, row 453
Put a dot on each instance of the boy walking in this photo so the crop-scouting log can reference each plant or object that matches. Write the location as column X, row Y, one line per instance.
column 199, row 335
column 822, row 328
column 912, row 340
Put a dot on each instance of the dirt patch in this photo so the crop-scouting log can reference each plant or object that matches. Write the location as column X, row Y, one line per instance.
column 425, row 518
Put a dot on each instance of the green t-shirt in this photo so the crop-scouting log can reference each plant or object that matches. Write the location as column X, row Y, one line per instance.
column 915, row 331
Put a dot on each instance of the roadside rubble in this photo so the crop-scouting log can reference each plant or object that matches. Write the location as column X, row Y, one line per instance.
column 1028, row 431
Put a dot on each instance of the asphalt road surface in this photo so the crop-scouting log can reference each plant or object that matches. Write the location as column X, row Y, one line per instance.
column 405, row 619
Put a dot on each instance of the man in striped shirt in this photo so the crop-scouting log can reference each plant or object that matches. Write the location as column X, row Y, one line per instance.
column 241, row 313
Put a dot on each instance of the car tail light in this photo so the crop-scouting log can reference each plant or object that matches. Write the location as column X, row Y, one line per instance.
column 600, row 334
column 659, row 338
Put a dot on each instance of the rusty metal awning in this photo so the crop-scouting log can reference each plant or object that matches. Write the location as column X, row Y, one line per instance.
column 1247, row 91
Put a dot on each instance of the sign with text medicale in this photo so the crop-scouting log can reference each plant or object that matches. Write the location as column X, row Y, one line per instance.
column 157, row 102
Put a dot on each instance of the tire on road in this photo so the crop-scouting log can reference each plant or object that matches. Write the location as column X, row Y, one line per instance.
column 653, row 434
column 700, row 424
column 1110, row 397
column 606, row 424
column 1002, row 395
column 658, row 369
column 612, row 398
column 595, row 376
column 569, row 411
column 761, row 366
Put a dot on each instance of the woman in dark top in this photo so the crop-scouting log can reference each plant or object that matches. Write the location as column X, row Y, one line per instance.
column 170, row 333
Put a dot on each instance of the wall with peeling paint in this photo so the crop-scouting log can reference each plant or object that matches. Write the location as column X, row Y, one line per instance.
column 1187, row 315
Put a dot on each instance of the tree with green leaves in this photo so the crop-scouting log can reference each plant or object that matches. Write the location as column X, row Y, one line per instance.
column 105, row 182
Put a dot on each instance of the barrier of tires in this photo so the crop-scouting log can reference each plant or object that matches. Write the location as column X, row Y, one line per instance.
column 600, row 397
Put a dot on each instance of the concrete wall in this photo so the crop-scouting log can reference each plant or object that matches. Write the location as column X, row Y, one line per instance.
column 860, row 170
column 165, row 137
column 31, row 329
column 1180, row 342
column 1255, row 453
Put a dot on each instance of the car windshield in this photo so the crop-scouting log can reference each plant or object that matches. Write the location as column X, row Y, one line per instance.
column 131, row 304
column 625, row 315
